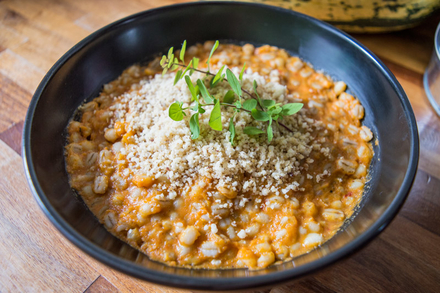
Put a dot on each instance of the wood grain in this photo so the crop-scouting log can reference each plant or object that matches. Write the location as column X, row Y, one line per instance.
column 22, row 72
column 427, row 120
column 27, row 258
column 13, row 103
column 12, row 136
column 411, row 48
column 101, row 285
column 35, row 257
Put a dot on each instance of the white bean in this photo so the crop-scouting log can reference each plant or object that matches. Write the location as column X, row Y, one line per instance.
column 133, row 234
column 210, row 249
column 100, row 184
column 348, row 167
column 266, row 259
column 110, row 220
column 110, row 135
column 339, row 87
column 313, row 239
column 189, row 235
column 356, row 184
column 366, row 133
column 333, row 215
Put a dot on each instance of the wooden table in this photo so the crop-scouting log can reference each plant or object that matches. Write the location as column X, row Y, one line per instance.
column 35, row 257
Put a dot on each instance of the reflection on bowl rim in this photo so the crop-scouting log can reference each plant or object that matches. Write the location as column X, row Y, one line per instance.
column 238, row 283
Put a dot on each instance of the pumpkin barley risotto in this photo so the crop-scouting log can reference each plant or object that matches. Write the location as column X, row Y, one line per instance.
column 207, row 204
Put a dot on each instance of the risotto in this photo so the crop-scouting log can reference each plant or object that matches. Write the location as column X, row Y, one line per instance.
column 206, row 203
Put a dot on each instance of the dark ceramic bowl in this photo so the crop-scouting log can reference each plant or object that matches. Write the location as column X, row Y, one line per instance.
column 102, row 56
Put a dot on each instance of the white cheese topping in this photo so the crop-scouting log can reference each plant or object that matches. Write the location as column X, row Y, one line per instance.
column 164, row 148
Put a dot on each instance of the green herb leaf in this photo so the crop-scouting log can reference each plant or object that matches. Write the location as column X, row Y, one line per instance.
column 232, row 129
column 191, row 88
column 268, row 110
column 164, row 70
column 195, row 62
column 204, row 91
column 291, row 108
column 229, row 97
column 175, row 62
column 170, row 54
column 197, row 90
column 212, row 52
column 233, row 82
column 268, row 103
column 260, row 115
column 217, row 78
column 188, row 67
column 250, row 104
column 242, row 71
column 269, row 131
column 215, row 120
column 250, row 130
column 182, row 52
column 175, row 111
column 194, row 126
column 163, row 60
column 170, row 57
column 178, row 75
column 274, row 111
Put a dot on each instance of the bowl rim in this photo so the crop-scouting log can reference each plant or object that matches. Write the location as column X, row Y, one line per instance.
column 217, row 283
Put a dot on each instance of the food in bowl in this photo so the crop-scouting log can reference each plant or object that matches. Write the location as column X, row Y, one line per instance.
column 221, row 200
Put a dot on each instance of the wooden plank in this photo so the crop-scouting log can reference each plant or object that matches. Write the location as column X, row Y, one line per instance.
column 427, row 119
column 412, row 83
column 9, row 38
column 36, row 50
column 414, row 54
column 429, row 132
column 406, row 273
column 101, row 285
column 349, row 274
column 12, row 136
column 404, row 240
column 123, row 282
column 23, row 73
column 13, row 102
column 389, row 46
column 97, row 18
column 48, row 16
column 308, row 285
column 413, row 240
column 34, row 257
column 422, row 205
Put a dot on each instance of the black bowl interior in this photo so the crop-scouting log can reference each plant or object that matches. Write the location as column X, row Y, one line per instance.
column 101, row 57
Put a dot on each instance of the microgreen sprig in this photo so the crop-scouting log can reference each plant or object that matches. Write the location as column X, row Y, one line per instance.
column 261, row 110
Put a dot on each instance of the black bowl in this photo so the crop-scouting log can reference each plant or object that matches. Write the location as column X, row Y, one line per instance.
column 102, row 56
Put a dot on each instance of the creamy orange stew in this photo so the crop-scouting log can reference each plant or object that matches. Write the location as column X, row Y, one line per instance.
column 207, row 221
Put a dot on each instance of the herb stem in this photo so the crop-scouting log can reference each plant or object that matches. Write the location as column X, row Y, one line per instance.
column 211, row 74
column 242, row 109
column 229, row 105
